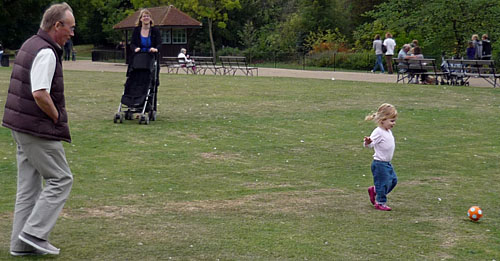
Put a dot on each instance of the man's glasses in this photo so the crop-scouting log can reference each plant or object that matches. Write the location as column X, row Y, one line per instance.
column 72, row 28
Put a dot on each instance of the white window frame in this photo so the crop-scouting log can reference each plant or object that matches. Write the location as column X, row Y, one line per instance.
column 174, row 38
column 166, row 36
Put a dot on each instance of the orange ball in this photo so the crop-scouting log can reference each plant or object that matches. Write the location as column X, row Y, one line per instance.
column 474, row 213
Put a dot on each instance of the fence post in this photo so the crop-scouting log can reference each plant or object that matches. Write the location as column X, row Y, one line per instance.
column 334, row 60
column 303, row 61
column 274, row 58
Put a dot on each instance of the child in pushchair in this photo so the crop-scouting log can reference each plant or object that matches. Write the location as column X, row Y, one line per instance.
column 141, row 88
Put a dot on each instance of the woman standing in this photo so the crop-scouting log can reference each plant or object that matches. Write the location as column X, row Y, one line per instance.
column 377, row 46
column 146, row 37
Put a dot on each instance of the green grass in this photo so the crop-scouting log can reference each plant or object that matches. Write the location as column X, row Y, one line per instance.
column 257, row 168
column 297, row 66
column 84, row 51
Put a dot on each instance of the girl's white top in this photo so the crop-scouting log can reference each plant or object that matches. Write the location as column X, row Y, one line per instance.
column 383, row 143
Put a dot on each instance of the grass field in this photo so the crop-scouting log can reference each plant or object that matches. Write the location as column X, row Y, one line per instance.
column 256, row 168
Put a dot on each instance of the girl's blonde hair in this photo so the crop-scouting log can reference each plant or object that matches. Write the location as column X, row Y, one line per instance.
column 144, row 11
column 384, row 112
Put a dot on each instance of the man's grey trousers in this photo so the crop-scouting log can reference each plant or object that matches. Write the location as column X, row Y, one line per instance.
column 38, row 205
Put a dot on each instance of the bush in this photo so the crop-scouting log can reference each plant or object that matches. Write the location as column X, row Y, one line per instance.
column 229, row 51
column 352, row 61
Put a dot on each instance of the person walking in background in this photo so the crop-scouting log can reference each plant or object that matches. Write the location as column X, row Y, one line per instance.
column 1, row 53
column 382, row 141
column 35, row 111
column 377, row 46
column 68, row 49
column 471, row 51
column 478, row 47
column 486, row 54
column 389, row 44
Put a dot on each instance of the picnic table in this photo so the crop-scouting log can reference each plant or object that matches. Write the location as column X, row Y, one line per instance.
column 233, row 64
column 411, row 69
column 206, row 63
column 460, row 71
column 174, row 64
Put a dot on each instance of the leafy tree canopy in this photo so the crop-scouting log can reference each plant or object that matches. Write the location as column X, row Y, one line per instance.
column 439, row 25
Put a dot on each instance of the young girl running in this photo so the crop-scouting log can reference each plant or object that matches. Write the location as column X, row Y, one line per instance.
column 381, row 139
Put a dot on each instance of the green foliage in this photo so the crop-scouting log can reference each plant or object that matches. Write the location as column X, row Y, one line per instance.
column 325, row 41
column 19, row 20
column 98, row 19
column 351, row 61
column 229, row 51
column 439, row 25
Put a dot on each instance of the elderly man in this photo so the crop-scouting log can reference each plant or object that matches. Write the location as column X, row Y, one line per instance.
column 404, row 51
column 36, row 114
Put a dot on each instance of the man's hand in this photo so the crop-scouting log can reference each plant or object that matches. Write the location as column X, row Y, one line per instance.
column 44, row 101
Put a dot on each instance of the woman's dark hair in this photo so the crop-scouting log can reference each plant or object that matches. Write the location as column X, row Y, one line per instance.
column 417, row 50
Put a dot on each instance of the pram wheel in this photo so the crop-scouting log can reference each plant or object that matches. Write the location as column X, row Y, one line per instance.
column 144, row 119
column 152, row 115
column 117, row 117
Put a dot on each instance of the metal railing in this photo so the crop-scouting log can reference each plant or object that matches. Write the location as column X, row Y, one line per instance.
column 102, row 55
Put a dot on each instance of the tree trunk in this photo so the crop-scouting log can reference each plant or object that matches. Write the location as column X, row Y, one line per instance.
column 214, row 55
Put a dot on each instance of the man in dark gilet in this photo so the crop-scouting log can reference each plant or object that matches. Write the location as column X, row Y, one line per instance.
column 35, row 111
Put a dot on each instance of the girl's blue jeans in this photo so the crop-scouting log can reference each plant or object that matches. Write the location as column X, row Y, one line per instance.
column 384, row 178
column 378, row 63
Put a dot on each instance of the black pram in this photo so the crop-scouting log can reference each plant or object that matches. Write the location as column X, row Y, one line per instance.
column 141, row 88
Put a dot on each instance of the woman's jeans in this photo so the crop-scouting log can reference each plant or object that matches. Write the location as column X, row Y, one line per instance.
column 384, row 178
column 378, row 63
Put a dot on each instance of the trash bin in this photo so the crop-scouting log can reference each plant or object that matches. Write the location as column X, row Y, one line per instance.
column 5, row 60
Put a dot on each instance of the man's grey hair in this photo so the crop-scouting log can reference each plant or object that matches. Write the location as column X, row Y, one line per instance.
column 406, row 46
column 55, row 13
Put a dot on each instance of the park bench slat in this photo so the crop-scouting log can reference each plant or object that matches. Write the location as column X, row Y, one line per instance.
column 232, row 64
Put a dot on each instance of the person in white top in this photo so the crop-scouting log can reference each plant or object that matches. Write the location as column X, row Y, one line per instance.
column 377, row 46
column 390, row 45
column 382, row 141
column 184, row 59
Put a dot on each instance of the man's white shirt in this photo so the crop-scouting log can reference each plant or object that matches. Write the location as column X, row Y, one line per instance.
column 42, row 70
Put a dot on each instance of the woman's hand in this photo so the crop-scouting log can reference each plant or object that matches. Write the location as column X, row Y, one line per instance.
column 153, row 50
column 137, row 49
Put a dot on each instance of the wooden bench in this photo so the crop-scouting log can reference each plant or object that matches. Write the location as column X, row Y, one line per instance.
column 174, row 64
column 411, row 68
column 232, row 64
column 460, row 71
column 205, row 63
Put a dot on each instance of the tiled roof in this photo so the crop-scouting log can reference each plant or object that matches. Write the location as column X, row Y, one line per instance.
column 162, row 16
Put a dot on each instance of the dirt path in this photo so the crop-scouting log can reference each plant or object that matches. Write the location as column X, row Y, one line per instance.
column 87, row 65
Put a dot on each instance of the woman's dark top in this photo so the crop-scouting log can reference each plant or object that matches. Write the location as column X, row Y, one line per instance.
column 154, row 36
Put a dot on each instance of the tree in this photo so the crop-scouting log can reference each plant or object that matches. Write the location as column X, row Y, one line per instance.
column 215, row 11
column 19, row 19
column 101, row 17
column 443, row 25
